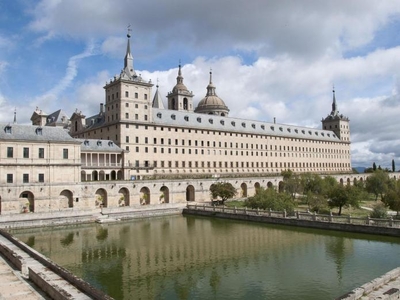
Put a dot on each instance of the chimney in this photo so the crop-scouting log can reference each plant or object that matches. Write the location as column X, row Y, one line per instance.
column 274, row 120
column 101, row 108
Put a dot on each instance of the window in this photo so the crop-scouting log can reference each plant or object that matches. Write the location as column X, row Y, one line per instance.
column 65, row 153
column 126, row 94
column 127, row 139
column 25, row 178
column 10, row 178
column 41, row 177
column 41, row 152
column 26, row 152
column 145, row 96
column 136, row 117
column 10, row 152
column 136, row 95
column 127, row 115
column 145, row 117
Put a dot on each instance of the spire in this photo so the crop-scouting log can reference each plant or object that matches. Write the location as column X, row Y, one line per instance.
column 15, row 116
column 334, row 106
column 157, row 101
column 211, row 87
column 128, row 60
column 179, row 79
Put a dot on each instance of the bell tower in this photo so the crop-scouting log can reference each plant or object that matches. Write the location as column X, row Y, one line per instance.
column 180, row 98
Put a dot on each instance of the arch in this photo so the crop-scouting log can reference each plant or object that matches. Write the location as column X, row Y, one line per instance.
column 173, row 103
column 348, row 181
column 102, row 176
column 164, row 194
column 361, row 179
column 101, row 198
column 256, row 188
column 185, row 103
column 113, row 175
column 124, row 197
column 341, row 181
column 190, row 193
column 355, row 181
column 29, row 204
column 119, row 175
column 243, row 188
column 270, row 185
column 67, row 199
column 281, row 185
column 95, row 176
column 144, row 196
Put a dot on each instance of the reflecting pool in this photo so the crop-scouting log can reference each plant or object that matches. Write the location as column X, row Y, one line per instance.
column 189, row 257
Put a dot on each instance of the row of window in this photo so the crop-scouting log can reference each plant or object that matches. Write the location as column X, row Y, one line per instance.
column 25, row 178
column 26, row 152
column 242, row 145
column 116, row 95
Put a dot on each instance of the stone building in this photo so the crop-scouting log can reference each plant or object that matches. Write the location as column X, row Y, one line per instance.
column 187, row 142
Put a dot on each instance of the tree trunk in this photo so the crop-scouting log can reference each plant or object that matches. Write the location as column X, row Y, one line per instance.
column 340, row 210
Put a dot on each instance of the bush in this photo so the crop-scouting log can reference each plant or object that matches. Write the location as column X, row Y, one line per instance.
column 379, row 212
column 270, row 199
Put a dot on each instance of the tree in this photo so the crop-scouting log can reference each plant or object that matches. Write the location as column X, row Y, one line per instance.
column 374, row 166
column 291, row 183
column 393, row 166
column 271, row 199
column 223, row 190
column 392, row 196
column 344, row 196
column 377, row 183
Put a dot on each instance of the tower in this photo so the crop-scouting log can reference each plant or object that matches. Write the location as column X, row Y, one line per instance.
column 336, row 122
column 180, row 98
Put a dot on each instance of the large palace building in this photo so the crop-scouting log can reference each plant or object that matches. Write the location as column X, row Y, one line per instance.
column 187, row 141
column 137, row 152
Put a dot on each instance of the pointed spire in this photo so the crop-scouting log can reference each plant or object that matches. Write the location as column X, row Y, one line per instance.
column 15, row 116
column 179, row 79
column 211, row 87
column 128, row 60
column 334, row 106
column 157, row 100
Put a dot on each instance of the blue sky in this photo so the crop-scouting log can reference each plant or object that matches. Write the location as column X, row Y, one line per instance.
column 269, row 59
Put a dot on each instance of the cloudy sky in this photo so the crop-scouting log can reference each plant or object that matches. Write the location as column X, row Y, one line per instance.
column 269, row 59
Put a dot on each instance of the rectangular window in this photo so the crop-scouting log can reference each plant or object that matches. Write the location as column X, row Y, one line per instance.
column 26, row 152
column 41, row 152
column 126, row 115
column 65, row 153
column 136, row 95
column 41, row 178
column 10, row 178
column 136, row 117
column 127, row 139
column 25, row 178
column 10, row 152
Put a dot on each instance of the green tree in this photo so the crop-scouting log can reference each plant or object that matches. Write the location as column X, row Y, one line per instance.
column 393, row 166
column 374, row 166
column 271, row 199
column 392, row 196
column 291, row 183
column 223, row 190
column 311, row 183
column 379, row 211
column 376, row 183
column 344, row 196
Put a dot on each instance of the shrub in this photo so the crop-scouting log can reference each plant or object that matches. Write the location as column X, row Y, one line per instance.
column 379, row 212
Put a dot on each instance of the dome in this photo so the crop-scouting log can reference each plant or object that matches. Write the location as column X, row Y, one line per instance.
column 211, row 103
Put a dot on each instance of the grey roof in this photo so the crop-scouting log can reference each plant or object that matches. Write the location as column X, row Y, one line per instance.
column 34, row 133
column 212, row 122
column 98, row 145
column 58, row 117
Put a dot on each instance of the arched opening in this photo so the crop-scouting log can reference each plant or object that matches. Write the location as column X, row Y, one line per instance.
column 361, row 179
column 355, row 181
column 243, row 187
column 101, row 198
column 281, row 186
column 144, row 196
column 83, row 176
column 95, row 176
column 123, row 197
column 29, row 201
column 190, row 193
column 256, row 188
column 173, row 103
column 113, row 175
column 66, row 199
column 119, row 175
column 341, row 181
column 185, row 103
column 164, row 194
column 348, row 181
column 270, row 185
column 102, row 176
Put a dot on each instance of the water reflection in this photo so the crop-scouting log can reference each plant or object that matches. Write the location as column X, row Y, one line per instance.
column 200, row 258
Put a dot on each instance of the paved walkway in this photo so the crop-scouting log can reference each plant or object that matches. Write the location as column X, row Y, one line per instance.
column 13, row 286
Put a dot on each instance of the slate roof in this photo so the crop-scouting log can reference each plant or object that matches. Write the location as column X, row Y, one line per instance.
column 212, row 122
column 98, row 145
column 34, row 133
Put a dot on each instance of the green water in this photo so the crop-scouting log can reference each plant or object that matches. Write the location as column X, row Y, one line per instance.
column 187, row 257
